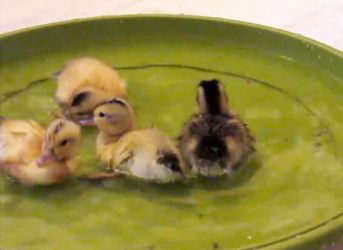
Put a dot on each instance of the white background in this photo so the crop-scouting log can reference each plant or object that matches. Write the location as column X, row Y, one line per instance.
column 321, row 20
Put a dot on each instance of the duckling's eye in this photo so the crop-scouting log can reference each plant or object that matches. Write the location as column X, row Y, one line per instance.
column 101, row 114
column 63, row 143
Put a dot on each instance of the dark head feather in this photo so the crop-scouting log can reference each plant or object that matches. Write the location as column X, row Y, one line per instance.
column 170, row 160
column 212, row 95
column 79, row 98
column 113, row 101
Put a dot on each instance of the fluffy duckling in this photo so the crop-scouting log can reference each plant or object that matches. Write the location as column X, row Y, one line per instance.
column 35, row 157
column 82, row 84
column 214, row 141
column 147, row 154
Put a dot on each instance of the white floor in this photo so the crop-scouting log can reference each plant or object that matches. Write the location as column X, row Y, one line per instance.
column 321, row 20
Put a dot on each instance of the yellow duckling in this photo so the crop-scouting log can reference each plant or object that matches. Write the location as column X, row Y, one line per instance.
column 82, row 84
column 147, row 154
column 34, row 157
column 214, row 141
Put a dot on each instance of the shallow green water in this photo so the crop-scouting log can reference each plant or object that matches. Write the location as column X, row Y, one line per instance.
column 294, row 181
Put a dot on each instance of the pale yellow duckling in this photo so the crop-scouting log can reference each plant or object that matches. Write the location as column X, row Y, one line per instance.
column 214, row 141
column 146, row 154
column 82, row 84
column 35, row 157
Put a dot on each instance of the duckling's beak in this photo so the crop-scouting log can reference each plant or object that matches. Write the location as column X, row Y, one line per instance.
column 83, row 119
column 87, row 121
column 46, row 158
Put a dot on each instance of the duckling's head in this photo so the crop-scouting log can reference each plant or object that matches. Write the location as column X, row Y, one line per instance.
column 82, row 84
column 61, row 142
column 81, row 105
column 170, row 165
column 114, row 117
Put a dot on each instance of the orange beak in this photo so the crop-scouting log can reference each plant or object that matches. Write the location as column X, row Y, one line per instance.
column 47, row 157
column 89, row 121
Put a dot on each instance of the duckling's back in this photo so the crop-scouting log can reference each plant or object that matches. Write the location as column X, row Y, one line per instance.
column 156, row 156
column 147, row 154
column 149, row 140
column 89, row 73
column 31, row 174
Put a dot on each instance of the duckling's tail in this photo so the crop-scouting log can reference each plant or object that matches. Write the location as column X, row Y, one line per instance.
column 212, row 98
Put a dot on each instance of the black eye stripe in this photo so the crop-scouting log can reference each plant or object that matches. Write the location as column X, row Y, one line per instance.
column 79, row 98
column 117, row 101
column 113, row 101
column 63, row 143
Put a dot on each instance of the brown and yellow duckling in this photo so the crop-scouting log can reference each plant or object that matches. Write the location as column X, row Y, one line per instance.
column 146, row 154
column 35, row 157
column 214, row 141
column 82, row 84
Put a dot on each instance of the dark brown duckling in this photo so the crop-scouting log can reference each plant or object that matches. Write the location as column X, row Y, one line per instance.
column 214, row 141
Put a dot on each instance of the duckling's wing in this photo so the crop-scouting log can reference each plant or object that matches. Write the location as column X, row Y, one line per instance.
column 135, row 153
column 243, row 135
column 158, row 158
column 123, row 154
column 19, row 140
column 27, row 127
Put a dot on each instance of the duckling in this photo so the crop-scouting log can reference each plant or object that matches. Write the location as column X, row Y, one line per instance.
column 35, row 157
column 82, row 84
column 146, row 154
column 214, row 141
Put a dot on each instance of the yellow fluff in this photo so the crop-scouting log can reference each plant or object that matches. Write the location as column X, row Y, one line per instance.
column 24, row 144
column 85, row 82
column 147, row 154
